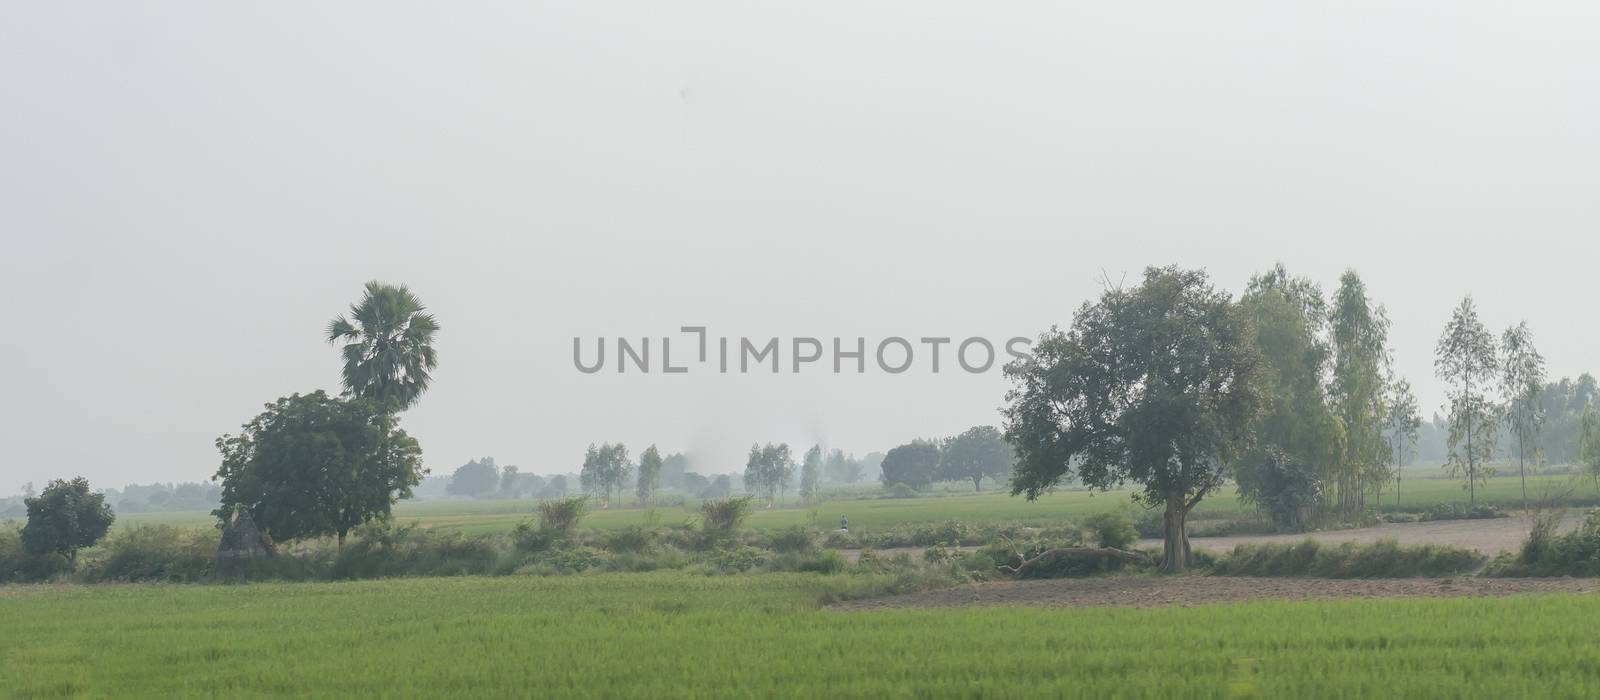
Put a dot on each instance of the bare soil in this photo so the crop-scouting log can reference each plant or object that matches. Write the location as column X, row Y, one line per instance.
column 1162, row 591
column 1490, row 535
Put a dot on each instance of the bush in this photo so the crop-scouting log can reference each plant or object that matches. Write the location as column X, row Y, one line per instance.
column 900, row 490
column 632, row 538
column 1111, row 530
column 384, row 550
column 558, row 521
column 793, row 540
column 720, row 519
column 18, row 565
column 1382, row 559
column 823, row 562
column 1460, row 511
column 155, row 553
column 1546, row 553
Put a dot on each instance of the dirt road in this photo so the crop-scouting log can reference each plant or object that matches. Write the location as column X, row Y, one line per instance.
column 1490, row 536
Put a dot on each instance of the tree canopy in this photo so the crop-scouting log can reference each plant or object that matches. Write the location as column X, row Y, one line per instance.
column 915, row 464
column 387, row 346
column 1158, row 385
column 314, row 464
column 66, row 517
column 978, row 453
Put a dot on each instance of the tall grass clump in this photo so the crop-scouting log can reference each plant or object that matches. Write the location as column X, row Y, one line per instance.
column 385, row 550
column 720, row 519
column 558, row 520
column 154, row 553
column 1382, row 559
column 1547, row 553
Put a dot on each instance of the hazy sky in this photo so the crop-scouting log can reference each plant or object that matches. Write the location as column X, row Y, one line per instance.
column 189, row 191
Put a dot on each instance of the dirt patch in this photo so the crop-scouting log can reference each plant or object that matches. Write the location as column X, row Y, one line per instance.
column 1161, row 591
column 1490, row 535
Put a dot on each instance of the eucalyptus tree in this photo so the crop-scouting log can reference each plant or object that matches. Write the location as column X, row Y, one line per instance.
column 1360, row 361
column 1589, row 445
column 649, row 474
column 1522, row 378
column 811, row 474
column 605, row 471
column 1465, row 359
column 768, row 471
column 1403, row 423
column 387, row 346
column 1158, row 385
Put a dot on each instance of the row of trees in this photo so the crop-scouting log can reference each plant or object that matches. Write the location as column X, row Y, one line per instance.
column 1176, row 387
column 979, row 453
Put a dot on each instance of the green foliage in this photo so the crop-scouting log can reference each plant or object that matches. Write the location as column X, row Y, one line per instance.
column 1465, row 358
column 649, row 474
column 1546, row 553
column 768, row 471
column 313, row 465
column 477, row 478
column 1097, row 398
column 65, row 518
column 811, row 474
column 1382, row 559
column 155, row 553
column 799, row 539
column 720, row 519
column 654, row 635
column 900, row 489
column 980, row 452
column 384, row 550
column 387, row 346
column 558, row 519
column 1360, row 334
column 914, row 464
column 18, row 565
column 1111, row 530
column 605, row 470
column 633, row 538
column 1460, row 511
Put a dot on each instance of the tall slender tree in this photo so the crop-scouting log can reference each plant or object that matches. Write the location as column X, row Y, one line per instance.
column 387, row 346
column 1360, row 361
column 1522, row 378
column 811, row 474
column 1403, row 423
column 649, row 474
column 1465, row 358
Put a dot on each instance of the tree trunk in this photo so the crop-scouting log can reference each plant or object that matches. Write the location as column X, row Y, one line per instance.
column 1176, row 555
column 342, row 533
column 976, row 483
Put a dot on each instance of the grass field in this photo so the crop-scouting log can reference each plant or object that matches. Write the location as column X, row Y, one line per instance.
column 677, row 635
column 475, row 517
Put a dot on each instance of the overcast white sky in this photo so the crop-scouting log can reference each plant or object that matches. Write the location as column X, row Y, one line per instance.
column 189, row 191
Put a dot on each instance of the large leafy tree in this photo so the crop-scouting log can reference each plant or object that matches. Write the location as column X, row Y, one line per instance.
column 1522, row 378
column 1299, row 439
column 1158, row 385
column 1465, row 359
column 915, row 464
column 478, row 478
column 65, row 518
column 1360, row 363
column 978, row 453
column 387, row 346
column 314, row 464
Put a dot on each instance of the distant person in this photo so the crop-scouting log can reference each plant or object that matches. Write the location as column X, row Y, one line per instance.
column 844, row 523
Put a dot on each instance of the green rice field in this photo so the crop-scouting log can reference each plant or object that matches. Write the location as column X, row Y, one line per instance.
column 681, row 635
column 989, row 507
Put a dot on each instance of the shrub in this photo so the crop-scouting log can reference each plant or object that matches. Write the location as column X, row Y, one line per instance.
column 1382, row 559
column 720, row 518
column 1111, row 530
column 558, row 520
column 630, row 539
column 793, row 540
column 900, row 490
column 1545, row 553
column 823, row 562
column 20, row 566
column 155, row 553
column 384, row 550
column 841, row 540
column 1460, row 511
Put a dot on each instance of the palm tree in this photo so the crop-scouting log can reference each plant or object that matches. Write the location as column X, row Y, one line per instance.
column 388, row 346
